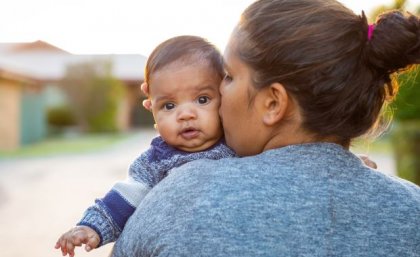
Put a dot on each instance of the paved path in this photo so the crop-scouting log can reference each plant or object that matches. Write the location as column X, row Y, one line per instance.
column 42, row 197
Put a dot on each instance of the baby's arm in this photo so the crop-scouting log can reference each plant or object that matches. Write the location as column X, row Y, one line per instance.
column 110, row 213
column 105, row 220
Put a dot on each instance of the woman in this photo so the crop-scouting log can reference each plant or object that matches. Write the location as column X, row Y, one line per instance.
column 304, row 78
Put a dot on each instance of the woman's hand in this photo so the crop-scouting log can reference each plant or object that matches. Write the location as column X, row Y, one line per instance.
column 76, row 237
column 146, row 103
column 368, row 162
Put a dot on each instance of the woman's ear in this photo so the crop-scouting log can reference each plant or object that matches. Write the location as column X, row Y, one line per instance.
column 275, row 104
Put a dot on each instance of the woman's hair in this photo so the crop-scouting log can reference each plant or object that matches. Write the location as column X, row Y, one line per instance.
column 321, row 53
column 185, row 49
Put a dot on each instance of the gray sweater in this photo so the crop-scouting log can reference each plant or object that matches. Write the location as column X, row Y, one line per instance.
column 300, row 200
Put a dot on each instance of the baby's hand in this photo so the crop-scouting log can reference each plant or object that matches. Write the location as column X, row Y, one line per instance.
column 76, row 237
column 368, row 162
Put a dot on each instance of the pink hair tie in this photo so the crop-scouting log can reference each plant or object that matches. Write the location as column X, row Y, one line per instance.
column 371, row 28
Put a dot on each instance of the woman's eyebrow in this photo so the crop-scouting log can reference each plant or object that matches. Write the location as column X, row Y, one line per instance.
column 226, row 66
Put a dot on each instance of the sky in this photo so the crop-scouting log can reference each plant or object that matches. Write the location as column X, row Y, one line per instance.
column 127, row 26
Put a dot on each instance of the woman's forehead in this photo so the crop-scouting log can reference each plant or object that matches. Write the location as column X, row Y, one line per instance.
column 229, row 54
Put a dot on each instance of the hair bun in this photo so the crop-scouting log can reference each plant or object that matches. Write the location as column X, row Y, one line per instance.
column 395, row 42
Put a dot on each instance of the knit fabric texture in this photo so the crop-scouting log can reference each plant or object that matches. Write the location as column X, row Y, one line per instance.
column 109, row 214
column 301, row 200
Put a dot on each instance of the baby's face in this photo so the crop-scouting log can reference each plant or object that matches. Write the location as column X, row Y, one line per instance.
column 185, row 103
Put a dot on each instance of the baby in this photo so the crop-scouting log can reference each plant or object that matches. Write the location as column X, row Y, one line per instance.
column 182, row 77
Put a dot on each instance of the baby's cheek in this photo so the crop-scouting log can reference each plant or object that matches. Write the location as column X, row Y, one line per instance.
column 164, row 124
column 217, row 124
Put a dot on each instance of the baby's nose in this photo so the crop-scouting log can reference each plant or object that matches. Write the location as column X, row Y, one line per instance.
column 186, row 113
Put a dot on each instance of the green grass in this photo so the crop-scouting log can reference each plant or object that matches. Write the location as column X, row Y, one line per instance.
column 365, row 146
column 94, row 142
column 66, row 145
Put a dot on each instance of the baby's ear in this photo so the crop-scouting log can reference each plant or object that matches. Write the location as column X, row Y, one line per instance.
column 147, row 104
column 144, row 87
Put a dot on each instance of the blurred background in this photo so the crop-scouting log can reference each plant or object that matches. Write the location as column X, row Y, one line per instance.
column 70, row 104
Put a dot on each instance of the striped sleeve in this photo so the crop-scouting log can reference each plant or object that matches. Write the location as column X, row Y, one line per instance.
column 109, row 214
column 123, row 199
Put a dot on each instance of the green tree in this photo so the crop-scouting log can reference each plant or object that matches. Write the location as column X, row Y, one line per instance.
column 407, row 105
column 397, row 4
column 94, row 95
column 406, row 132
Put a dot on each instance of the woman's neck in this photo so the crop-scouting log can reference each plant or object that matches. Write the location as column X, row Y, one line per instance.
column 297, row 135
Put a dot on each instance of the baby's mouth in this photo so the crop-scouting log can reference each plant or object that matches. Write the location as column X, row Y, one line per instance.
column 190, row 133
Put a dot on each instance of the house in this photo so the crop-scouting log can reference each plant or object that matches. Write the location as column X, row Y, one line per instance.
column 29, row 73
column 21, row 110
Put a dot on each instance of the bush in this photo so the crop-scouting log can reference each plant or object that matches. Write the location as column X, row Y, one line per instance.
column 60, row 116
column 406, row 142
column 94, row 95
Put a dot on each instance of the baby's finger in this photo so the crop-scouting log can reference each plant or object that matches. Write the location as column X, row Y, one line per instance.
column 92, row 243
column 62, row 245
column 63, row 248
column 70, row 248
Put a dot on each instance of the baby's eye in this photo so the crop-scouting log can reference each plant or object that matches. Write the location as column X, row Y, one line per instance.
column 168, row 106
column 203, row 99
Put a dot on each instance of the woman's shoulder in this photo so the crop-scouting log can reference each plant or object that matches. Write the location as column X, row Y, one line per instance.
column 204, row 164
column 393, row 187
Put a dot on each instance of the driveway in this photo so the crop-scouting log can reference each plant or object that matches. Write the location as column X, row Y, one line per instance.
column 42, row 197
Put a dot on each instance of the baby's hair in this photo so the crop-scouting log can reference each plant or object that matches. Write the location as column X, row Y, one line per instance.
column 322, row 54
column 186, row 49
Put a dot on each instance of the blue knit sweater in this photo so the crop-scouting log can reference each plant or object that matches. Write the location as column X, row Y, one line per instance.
column 109, row 214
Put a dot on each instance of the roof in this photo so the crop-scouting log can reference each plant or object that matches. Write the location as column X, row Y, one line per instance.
column 29, row 47
column 10, row 75
column 44, row 62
